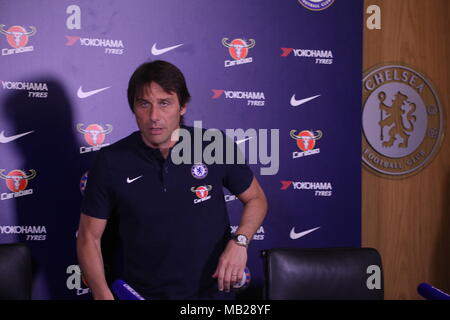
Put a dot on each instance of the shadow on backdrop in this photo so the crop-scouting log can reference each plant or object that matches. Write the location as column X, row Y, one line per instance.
column 53, row 152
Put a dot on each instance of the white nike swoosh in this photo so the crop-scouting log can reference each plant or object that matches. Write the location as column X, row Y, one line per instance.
column 157, row 52
column 4, row 139
column 86, row 94
column 243, row 140
column 294, row 235
column 132, row 180
column 296, row 103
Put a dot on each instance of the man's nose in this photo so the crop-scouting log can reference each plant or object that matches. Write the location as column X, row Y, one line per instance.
column 154, row 113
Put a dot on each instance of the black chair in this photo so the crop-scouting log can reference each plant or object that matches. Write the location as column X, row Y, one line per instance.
column 323, row 274
column 15, row 272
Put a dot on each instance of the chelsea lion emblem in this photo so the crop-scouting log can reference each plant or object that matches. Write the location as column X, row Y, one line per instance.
column 199, row 171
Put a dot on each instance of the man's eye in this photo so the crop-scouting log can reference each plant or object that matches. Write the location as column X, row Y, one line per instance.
column 143, row 104
column 164, row 103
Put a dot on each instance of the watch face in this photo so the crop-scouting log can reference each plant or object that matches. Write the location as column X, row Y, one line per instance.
column 242, row 238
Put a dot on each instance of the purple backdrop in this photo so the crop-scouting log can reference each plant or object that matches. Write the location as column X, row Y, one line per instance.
column 248, row 64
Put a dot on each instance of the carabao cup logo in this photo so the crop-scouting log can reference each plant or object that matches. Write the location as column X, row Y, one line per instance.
column 202, row 192
column 238, row 48
column 17, row 36
column 94, row 134
column 306, row 140
column 17, row 180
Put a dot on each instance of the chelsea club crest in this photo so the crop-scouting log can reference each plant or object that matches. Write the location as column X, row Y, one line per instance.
column 316, row 5
column 402, row 120
column 199, row 171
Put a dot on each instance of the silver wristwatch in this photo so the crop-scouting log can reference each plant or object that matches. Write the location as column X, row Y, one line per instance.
column 241, row 240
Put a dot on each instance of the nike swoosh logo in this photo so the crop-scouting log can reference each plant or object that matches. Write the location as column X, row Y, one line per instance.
column 81, row 94
column 243, row 140
column 157, row 52
column 132, row 180
column 4, row 139
column 296, row 103
column 294, row 235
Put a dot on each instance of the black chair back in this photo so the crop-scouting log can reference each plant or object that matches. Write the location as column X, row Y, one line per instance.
column 323, row 274
column 15, row 272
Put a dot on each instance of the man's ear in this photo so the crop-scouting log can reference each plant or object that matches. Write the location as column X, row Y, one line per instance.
column 183, row 110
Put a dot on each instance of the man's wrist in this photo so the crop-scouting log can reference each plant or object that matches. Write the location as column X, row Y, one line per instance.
column 240, row 239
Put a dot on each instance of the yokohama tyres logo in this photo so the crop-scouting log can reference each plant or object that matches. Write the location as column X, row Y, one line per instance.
column 322, row 189
column 319, row 56
column 110, row 46
column 253, row 98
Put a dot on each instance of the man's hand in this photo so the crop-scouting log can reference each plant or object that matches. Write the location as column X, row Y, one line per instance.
column 106, row 295
column 90, row 257
column 231, row 266
column 233, row 260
